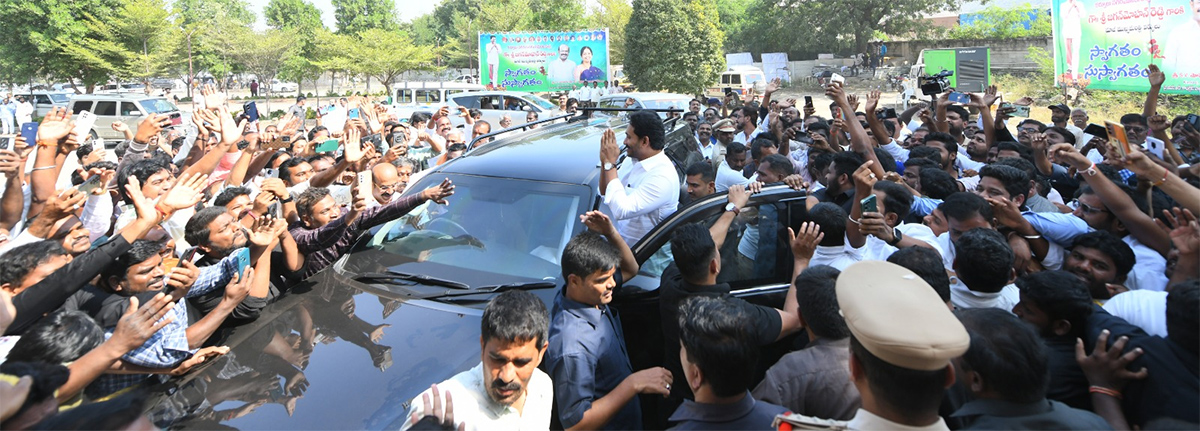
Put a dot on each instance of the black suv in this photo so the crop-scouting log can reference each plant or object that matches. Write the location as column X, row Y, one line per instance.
column 402, row 311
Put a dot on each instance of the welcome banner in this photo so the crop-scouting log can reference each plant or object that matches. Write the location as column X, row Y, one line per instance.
column 544, row 61
column 1108, row 44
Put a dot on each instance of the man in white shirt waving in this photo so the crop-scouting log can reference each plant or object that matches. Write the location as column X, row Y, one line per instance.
column 642, row 193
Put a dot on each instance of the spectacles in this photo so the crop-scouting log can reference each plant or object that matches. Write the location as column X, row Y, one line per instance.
column 1027, row 130
column 388, row 188
column 1135, row 129
column 1091, row 210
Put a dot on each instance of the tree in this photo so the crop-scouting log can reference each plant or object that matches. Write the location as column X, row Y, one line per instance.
column 35, row 30
column 262, row 54
column 691, row 62
column 384, row 55
column 144, row 30
column 613, row 15
column 211, row 24
column 293, row 14
column 506, row 15
column 304, row 20
column 357, row 16
column 837, row 26
column 998, row 23
column 556, row 15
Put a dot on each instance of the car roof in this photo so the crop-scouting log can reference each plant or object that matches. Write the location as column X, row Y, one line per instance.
column 494, row 93
column 124, row 96
column 647, row 95
column 570, row 150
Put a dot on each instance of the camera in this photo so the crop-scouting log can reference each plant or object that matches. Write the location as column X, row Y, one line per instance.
column 936, row 84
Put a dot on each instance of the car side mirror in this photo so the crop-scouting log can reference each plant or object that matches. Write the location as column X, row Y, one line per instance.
column 526, row 108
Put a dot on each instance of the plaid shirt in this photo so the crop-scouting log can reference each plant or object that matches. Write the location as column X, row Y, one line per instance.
column 169, row 346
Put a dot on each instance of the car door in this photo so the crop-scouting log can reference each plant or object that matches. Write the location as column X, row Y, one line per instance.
column 131, row 114
column 106, row 113
column 763, row 279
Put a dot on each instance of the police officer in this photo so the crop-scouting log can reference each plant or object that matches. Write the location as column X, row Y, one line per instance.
column 903, row 338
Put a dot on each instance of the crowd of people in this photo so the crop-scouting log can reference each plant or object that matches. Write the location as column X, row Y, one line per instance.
column 946, row 272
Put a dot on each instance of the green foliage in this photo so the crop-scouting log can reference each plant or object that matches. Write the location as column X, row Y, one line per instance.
column 613, row 15
column 295, row 14
column 829, row 26
column 691, row 62
column 33, row 31
column 376, row 53
column 999, row 23
column 357, row 16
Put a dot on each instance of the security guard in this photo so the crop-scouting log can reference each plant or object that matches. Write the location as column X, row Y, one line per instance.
column 903, row 338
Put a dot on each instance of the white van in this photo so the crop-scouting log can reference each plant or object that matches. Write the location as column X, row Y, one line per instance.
column 409, row 97
column 738, row 79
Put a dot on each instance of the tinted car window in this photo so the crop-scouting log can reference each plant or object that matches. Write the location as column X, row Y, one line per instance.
column 58, row 98
column 157, row 106
column 105, row 108
column 428, row 96
column 81, row 106
column 501, row 226
column 469, row 102
column 735, row 79
column 129, row 109
column 404, row 96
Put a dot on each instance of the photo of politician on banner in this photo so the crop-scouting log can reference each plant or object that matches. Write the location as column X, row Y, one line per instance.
column 543, row 61
column 1108, row 44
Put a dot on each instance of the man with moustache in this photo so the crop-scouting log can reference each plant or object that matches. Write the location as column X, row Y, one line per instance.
column 506, row 390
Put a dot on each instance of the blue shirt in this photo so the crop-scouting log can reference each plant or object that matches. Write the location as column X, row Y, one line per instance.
column 586, row 359
column 746, row 414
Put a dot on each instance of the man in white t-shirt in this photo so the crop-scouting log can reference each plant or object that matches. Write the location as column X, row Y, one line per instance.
column 506, row 390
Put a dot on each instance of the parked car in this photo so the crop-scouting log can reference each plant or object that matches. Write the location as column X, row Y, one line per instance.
column 645, row 101
column 44, row 101
column 349, row 347
column 496, row 104
column 410, row 97
column 130, row 109
column 278, row 86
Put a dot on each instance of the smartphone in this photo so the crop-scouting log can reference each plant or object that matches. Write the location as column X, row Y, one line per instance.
column 1096, row 130
column 243, row 259
column 273, row 209
column 6, row 142
column 808, row 101
column 1155, row 146
column 364, row 183
column 328, row 146
column 1117, row 138
column 1018, row 110
column 838, row 79
column 353, row 114
column 837, row 113
column 176, row 119
column 270, row 173
column 91, row 184
column 83, row 124
column 29, row 131
column 188, row 255
column 251, row 110
column 960, row 98
column 869, row 205
column 1194, row 120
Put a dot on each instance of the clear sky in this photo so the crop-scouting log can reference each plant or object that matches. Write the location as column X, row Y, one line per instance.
column 406, row 10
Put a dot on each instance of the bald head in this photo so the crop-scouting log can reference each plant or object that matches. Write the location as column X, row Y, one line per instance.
column 386, row 182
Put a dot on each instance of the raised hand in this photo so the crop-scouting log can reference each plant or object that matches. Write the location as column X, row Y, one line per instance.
column 181, row 278
column 353, row 145
column 1158, row 122
column 439, row 193
column 1183, row 230
column 144, row 207
column 55, row 126
column 213, row 99
column 872, row 102
column 805, row 243
column 608, row 148
column 138, row 324
column 1066, row 153
column 598, row 222
column 10, row 163
column 773, row 86
column 149, row 127
column 990, row 96
column 864, row 178
column 63, row 204
column 239, row 287
column 1156, row 76
column 201, row 356
column 120, row 126
column 1006, row 212
column 187, row 192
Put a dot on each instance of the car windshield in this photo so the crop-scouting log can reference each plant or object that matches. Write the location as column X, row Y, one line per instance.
column 157, row 106
column 60, row 98
column 502, row 226
column 540, row 102
column 664, row 103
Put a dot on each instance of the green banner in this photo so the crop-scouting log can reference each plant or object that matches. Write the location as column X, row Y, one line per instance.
column 543, row 61
column 1108, row 44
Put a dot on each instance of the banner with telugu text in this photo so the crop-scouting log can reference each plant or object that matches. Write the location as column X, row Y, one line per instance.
column 1108, row 44
column 544, row 60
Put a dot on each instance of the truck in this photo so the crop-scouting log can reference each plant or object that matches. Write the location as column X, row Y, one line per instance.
column 971, row 66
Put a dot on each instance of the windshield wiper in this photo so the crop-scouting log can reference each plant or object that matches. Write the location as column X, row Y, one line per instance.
column 412, row 277
column 497, row 288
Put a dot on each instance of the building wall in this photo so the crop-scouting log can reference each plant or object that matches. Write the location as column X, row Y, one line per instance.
column 1006, row 54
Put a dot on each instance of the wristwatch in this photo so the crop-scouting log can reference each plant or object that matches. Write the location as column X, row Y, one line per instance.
column 896, row 237
column 609, row 166
column 287, row 200
column 731, row 207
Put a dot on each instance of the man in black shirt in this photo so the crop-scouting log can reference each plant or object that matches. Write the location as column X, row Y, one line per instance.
column 839, row 181
column 694, row 273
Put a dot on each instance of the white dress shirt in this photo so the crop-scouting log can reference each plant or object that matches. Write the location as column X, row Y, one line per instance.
column 839, row 256
column 1150, row 270
column 877, row 249
column 475, row 408
column 1145, row 308
column 559, row 70
column 643, row 194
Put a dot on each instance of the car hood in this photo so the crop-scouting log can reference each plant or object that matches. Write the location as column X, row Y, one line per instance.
column 359, row 376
